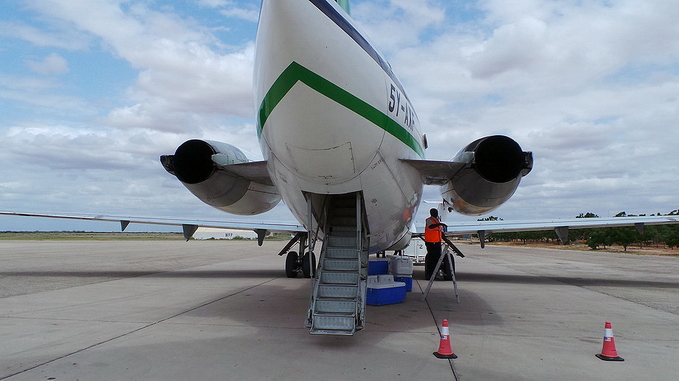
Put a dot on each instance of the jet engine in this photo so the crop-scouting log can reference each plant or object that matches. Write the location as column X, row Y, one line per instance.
column 493, row 167
column 209, row 170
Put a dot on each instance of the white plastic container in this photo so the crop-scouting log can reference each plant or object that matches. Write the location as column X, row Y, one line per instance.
column 400, row 266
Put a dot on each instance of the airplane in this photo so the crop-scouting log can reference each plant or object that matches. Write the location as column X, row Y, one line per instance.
column 343, row 148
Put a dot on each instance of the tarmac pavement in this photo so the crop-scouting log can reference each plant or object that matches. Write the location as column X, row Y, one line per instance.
column 215, row 310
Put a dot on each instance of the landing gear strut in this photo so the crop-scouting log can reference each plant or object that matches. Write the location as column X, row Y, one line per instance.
column 296, row 264
column 309, row 265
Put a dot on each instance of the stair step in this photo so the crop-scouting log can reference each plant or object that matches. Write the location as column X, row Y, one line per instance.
column 335, row 332
column 342, row 241
column 334, row 277
column 334, row 291
column 341, row 253
column 343, row 221
column 340, row 264
column 345, row 212
column 343, row 228
column 344, row 202
column 333, row 322
column 335, row 306
column 345, row 233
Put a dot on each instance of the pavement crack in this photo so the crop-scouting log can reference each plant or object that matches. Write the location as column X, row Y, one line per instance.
column 431, row 312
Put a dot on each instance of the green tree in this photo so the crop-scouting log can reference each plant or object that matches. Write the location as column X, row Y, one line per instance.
column 587, row 215
column 623, row 236
column 599, row 237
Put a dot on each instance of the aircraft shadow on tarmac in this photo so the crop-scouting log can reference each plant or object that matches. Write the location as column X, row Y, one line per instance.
column 576, row 281
column 270, row 294
column 287, row 299
column 120, row 274
column 283, row 303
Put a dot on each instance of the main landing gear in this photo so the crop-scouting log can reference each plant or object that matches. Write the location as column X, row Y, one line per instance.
column 296, row 264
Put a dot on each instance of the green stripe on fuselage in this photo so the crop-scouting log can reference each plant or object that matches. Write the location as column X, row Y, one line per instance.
column 296, row 72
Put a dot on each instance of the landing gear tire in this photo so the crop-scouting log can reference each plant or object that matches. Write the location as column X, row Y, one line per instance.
column 309, row 265
column 291, row 264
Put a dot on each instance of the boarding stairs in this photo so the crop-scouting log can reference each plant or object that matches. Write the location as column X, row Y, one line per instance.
column 337, row 305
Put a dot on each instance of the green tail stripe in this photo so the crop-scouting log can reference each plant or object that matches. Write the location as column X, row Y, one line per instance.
column 296, row 72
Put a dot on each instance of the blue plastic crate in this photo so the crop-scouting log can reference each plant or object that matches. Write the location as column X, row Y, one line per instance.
column 408, row 280
column 377, row 267
column 386, row 293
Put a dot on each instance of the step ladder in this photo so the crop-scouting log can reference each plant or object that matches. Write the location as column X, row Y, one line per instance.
column 337, row 305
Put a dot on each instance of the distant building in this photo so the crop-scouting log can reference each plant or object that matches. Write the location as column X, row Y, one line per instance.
column 210, row 233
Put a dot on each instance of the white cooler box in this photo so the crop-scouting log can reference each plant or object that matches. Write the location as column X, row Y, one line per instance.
column 400, row 266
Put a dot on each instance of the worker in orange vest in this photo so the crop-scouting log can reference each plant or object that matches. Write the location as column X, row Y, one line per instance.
column 433, row 234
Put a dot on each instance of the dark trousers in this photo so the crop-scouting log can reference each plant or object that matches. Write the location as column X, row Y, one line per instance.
column 432, row 258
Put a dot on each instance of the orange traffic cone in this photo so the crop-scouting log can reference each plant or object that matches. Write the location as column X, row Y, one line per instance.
column 608, row 352
column 445, row 352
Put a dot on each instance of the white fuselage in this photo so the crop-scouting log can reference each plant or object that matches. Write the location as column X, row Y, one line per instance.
column 333, row 119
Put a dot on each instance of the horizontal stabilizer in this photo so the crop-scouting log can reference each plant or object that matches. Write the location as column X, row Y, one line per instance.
column 254, row 170
column 435, row 172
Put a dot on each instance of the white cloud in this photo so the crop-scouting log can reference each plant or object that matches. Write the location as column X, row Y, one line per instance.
column 58, row 35
column 589, row 87
column 33, row 91
column 395, row 24
column 52, row 64
column 179, row 61
column 251, row 15
column 248, row 12
column 214, row 3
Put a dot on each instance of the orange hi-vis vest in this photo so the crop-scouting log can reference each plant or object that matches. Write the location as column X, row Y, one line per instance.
column 432, row 234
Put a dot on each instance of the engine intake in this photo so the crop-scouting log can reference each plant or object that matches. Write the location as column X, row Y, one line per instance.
column 494, row 166
column 498, row 159
column 193, row 161
column 193, row 165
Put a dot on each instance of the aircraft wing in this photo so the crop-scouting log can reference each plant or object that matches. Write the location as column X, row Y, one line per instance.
column 560, row 226
column 188, row 226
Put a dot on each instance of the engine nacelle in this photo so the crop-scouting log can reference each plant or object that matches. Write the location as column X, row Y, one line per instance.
column 192, row 164
column 493, row 168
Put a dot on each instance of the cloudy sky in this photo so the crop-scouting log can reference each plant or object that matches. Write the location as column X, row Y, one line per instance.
column 93, row 91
